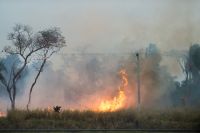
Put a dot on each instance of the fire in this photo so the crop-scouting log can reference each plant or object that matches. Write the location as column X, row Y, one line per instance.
column 49, row 109
column 2, row 114
column 118, row 102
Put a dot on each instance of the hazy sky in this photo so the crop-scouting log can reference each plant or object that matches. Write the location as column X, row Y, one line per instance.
column 108, row 25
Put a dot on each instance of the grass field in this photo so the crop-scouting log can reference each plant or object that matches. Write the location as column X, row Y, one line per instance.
column 108, row 131
column 124, row 119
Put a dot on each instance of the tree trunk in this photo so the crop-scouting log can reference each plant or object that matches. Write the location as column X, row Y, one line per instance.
column 13, row 105
column 36, row 78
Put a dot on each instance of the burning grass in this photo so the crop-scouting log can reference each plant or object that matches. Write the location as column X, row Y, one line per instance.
column 176, row 118
column 117, row 102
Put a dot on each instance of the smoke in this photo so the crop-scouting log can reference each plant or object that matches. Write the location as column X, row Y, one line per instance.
column 10, row 61
column 81, row 80
column 84, row 80
column 79, row 83
column 110, row 25
column 157, row 82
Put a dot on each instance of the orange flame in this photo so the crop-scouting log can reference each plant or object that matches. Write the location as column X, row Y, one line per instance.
column 118, row 102
column 2, row 114
column 49, row 109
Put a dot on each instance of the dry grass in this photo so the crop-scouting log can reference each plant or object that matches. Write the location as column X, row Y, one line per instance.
column 175, row 118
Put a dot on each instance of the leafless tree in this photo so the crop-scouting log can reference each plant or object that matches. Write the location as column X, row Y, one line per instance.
column 29, row 47
column 53, row 42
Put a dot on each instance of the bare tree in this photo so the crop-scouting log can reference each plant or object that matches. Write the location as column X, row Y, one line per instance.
column 29, row 47
column 53, row 39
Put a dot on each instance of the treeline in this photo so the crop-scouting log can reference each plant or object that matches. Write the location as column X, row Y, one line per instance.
column 187, row 92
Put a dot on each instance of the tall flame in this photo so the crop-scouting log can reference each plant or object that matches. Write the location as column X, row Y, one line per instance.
column 118, row 101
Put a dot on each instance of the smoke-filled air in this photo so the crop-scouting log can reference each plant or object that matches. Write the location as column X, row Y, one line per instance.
column 101, row 56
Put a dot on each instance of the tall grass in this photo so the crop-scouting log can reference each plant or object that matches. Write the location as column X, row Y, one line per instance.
column 175, row 118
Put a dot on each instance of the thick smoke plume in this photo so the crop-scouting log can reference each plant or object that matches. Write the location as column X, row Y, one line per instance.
column 84, row 80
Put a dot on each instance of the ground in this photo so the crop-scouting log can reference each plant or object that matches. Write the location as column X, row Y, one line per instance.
column 123, row 119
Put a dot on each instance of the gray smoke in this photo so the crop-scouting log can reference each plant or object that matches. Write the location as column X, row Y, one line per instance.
column 9, row 61
column 85, row 79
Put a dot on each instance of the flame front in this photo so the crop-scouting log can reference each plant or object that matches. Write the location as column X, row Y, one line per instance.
column 118, row 102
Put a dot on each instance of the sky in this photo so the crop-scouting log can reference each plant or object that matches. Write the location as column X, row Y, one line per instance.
column 108, row 26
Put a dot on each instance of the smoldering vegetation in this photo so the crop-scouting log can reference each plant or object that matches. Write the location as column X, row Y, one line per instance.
column 83, row 80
